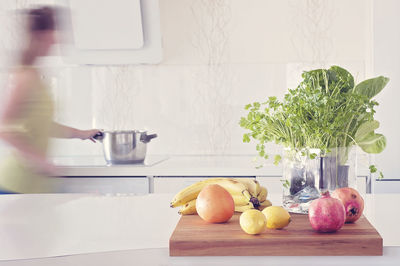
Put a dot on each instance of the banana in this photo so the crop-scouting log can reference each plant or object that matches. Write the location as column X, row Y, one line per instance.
column 232, row 186
column 248, row 206
column 253, row 188
column 187, row 194
column 264, row 205
column 191, row 192
column 244, row 207
column 188, row 208
column 262, row 196
column 242, row 194
column 252, row 185
column 250, row 198
column 240, row 200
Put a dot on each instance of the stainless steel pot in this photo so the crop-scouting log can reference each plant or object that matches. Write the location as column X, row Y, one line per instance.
column 125, row 146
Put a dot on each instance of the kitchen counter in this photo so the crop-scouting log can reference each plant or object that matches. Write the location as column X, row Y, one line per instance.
column 134, row 230
column 93, row 172
column 163, row 165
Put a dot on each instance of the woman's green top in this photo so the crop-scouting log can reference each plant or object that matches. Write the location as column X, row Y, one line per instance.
column 34, row 124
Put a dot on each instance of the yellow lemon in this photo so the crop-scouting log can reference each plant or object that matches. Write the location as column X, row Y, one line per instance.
column 253, row 222
column 277, row 217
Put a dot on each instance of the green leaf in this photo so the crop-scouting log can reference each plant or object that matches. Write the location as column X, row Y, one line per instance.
column 373, row 169
column 256, row 105
column 380, row 175
column 259, row 136
column 371, row 87
column 272, row 98
column 247, row 106
column 277, row 159
column 243, row 122
column 373, row 143
column 365, row 129
column 246, row 138
column 285, row 183
column 340, row 75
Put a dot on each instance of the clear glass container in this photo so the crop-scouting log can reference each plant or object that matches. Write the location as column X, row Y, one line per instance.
column 338, row 169
column 305, row 176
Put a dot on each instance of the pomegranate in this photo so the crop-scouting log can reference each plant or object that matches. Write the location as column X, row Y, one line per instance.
column 326, row 214
column 214, row 204
column 352, row 201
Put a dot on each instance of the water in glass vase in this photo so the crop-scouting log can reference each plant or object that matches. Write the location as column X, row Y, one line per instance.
column 300, row 174
column 305, row 176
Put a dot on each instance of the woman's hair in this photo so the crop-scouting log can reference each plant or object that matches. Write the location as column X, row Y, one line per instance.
column 38, row 19
column 41, row 19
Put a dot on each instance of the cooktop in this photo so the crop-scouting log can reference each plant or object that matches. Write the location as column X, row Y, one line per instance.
column 94, row 160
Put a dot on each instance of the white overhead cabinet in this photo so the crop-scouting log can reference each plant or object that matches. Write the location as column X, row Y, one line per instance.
column 113, row 32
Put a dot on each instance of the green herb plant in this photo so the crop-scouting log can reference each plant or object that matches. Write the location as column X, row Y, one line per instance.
column 326, row 111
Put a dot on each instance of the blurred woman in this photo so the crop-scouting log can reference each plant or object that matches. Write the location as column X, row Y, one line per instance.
column 27, row 122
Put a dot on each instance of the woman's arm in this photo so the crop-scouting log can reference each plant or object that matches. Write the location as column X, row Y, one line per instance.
column 62, row 131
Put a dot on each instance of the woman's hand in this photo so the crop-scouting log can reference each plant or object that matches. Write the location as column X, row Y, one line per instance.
column 87, row 134
column 62, row 131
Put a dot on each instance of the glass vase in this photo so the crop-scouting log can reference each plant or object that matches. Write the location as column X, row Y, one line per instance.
column 338, row 169
column 305, row 176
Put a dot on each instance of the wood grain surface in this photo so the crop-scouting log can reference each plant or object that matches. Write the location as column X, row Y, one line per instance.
column 194, row 237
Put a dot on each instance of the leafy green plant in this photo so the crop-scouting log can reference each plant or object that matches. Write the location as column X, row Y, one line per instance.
column 326, row 111
column 373, row 169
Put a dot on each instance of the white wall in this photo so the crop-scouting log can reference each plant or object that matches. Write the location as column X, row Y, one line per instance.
column 218, row 56
column 387, row 62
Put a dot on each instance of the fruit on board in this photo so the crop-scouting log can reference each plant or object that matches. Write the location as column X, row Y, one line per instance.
column 191, row 192
column 188, row 208
column 277, row 217
column 246, row 192
column 352, row 201
column 326, row 214
column 253, row 222
column 214, row 204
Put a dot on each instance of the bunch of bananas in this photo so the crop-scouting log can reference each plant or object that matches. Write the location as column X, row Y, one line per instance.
column 246, row 193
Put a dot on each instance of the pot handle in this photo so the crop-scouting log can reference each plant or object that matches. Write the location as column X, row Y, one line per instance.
column 99, row 136
column 147, row 138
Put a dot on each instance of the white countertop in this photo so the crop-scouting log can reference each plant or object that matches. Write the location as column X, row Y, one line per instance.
column 128, row 227
column 160, row 257
column 164, row 165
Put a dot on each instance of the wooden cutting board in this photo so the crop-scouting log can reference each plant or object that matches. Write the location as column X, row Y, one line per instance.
column 194, row 237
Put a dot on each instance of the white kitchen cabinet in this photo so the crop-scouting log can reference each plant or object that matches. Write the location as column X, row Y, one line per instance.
column 386, row 186
column 167, row 184
column 172, row 174
column 174, row 184
column 272, row 183
column 103, row 185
